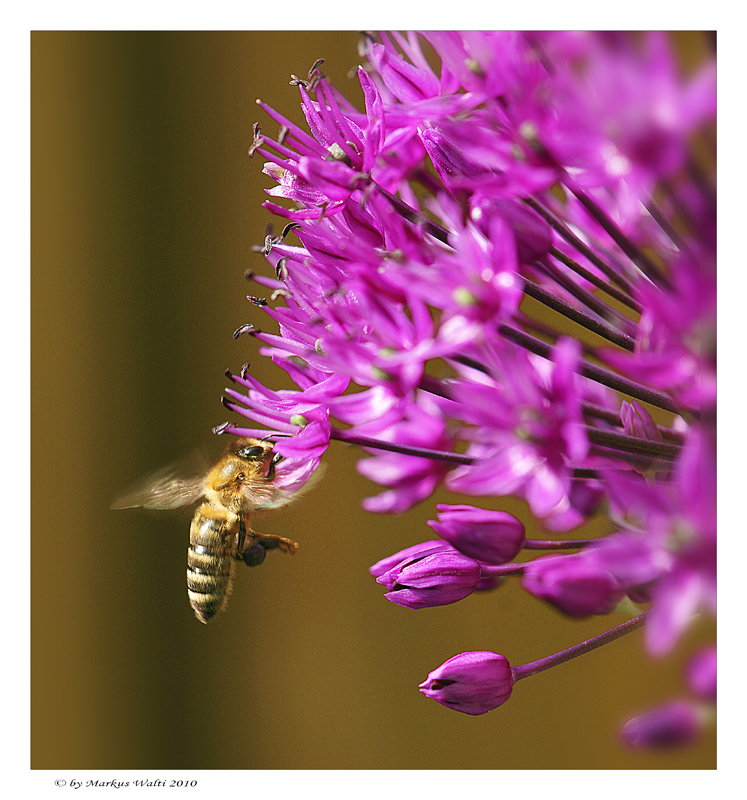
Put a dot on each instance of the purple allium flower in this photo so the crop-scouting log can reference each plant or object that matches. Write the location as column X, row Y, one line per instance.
column 674, row 552
column 672, row 725
column 529, row 428
column 410, row 479
column 499, row 279
column 494, row 537
column 473, row 683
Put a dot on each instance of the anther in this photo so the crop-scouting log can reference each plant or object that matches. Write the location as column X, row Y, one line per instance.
column 281, row 270
column 315, row 66
column 288, row 228
column 249, row 329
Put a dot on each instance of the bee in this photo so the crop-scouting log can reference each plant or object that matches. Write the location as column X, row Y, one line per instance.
column 238, row 484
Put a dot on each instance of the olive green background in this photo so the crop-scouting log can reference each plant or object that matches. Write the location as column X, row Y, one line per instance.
column 144, row 209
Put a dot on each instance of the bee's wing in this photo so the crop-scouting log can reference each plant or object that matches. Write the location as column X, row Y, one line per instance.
column 268, row 496
column 165, row 489
column 263, row 497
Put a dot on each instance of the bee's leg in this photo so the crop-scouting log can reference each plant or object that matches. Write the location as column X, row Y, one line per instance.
column 270, row 542
column 253, row 546
column 248, row 550
column 242, row 538
column 257, row 547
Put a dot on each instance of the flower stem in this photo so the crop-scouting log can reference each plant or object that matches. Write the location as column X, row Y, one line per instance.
column 556, row 544
column 500, row 570
column 411, row 215
column 638, row 257
column 631, row 444
column 595, row 280
column 533, row 667
column 576, row 315
column 582, row 248
column 408, row 450
column 658, row 216
column 592, row 371
column 606, row 312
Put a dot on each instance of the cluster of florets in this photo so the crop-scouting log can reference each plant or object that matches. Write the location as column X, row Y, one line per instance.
column 511, row 259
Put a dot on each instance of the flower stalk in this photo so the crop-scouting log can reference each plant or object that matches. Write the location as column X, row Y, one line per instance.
column 580, row 649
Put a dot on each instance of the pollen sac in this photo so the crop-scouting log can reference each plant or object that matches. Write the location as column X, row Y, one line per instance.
column 254, row 555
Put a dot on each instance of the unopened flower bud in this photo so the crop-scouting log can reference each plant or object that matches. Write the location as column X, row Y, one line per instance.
column 473, row 683
column 451, row 162
column 701, row 674
column 532, row 234
column 334, row 178
column 386, row 564
column 434, row 577
column 673, row 725
column 637, row 421
column 494, row 537
column 576, row 586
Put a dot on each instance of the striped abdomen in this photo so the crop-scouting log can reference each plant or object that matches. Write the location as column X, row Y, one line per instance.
column 212, row 543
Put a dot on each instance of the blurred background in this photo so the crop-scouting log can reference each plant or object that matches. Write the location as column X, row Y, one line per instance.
column 144, row 208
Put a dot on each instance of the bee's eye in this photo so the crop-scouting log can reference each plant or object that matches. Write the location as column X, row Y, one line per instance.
column 240, row 476
column 252, row 453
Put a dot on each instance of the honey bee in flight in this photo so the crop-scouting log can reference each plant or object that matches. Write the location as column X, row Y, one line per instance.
column 239, row 483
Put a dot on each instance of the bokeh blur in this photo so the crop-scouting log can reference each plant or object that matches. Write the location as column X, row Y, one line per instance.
column 145, row 207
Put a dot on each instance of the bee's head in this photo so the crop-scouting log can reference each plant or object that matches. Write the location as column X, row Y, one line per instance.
column 258, row 453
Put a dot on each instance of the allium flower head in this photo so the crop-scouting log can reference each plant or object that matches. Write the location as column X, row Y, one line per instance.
column 498, row 279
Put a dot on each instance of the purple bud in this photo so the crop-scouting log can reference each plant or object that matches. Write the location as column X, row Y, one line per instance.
column 362, row 225
column 490, row 582
column 334, row 178
column 473, row 683
column 386, row 564
column 576, row 586
column 673, row 725
column 494, row 537
column 586, row 496
column 637, row 421
column 701, row 674
column 434, row 577
column 451, row 162
column 533, row 235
